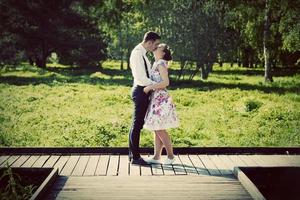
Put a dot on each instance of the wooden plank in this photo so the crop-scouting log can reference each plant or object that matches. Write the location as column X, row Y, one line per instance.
column 41, row 161
column 30, row 161
column 61, row 163
column 10, row 160
column 248, row 185
column 51, row 161
column 267, row 160
column 289, row 160
column 3, row 158
column 113, row 165
column 259, row 161
column 201, row 169
column 212, row 169
column 167, row 169
column 285, row 160
column 282, row 160
column 148, row 187
column 178, row 167
column 134, row 170
column 270, row 160
column 221, row 166
column 80, row 166
column 247, row 160
column 295, row 159
column 251, row 157
column 227, row 161
column 44, row 187
column 157, row 169
column 124, row 166
column 188, row 165
column 91, row 165
column 146, row 170
column 237, row 161
column 70, row 165
column 20, row 161
column 101, row 169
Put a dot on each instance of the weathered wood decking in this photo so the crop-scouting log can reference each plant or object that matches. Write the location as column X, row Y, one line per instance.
column 118, row 165
column 111, row 176
column 147, row 187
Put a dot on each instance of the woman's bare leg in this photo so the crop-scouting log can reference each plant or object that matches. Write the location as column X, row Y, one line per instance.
column 166, row 140
column 158, row 146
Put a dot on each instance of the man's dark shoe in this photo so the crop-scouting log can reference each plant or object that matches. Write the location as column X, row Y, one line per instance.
column 139, row 161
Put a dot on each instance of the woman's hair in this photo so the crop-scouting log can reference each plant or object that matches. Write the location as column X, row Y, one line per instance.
column 167, row 51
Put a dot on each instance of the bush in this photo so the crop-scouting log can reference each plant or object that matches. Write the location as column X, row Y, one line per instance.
column 252, row 105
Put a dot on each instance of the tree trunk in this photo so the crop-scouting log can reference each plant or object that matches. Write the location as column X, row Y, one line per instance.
column 205, row 70
column 195, row 71
column 245, row 57
column 128, row 59
column 266, row 38
column 31, row 61
column 239, row 63
column 122, row 62
column 40, row 60
column 121, row 45
column 183, row 64
column 251, row 62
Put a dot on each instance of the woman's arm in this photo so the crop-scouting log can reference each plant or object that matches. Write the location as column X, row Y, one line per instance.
column 163, row 70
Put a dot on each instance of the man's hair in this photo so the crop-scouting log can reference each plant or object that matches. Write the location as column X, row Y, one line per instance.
column 150, row 35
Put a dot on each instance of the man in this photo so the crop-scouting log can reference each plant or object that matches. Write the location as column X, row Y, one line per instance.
column 140, row 67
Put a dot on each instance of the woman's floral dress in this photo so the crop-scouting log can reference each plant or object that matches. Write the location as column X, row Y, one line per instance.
column 161, row 112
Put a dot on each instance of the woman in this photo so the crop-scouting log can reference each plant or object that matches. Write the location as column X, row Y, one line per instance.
column 161, row 113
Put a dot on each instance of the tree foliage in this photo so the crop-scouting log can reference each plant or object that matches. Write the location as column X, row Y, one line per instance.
column 39, row 28
column 84, row 33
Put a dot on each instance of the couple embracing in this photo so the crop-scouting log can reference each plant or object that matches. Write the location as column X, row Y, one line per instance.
column 153, row 106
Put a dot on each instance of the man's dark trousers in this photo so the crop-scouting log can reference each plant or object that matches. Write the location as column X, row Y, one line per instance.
column 141, row 102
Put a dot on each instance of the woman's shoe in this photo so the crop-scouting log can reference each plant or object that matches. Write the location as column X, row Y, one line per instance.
column 152, row 161
column 169, row 161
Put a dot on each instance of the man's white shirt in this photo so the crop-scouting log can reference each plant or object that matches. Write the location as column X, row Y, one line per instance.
column 138, row 66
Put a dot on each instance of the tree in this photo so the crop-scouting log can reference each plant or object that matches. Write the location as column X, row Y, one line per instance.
column 126, row 29
column 267, row 24
column 193, row 29
column 42, row 27
column 270, row 30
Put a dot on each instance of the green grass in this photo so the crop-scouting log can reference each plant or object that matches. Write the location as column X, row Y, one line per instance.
column 63, row 107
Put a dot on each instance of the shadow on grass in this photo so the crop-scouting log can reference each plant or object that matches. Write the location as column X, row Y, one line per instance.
column 277, row 72
column 209, row 86
column 115, row 77
column 53, row 80
column 73, row 71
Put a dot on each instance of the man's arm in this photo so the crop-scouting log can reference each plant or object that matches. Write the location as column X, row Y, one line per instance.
column 163, row 71
column 138, row 69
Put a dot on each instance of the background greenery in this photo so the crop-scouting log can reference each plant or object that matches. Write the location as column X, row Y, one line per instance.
column 85, row 33
column 60, row 107
column 65, row 78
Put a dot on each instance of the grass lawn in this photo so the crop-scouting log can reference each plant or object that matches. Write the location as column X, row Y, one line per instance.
column 63, row 107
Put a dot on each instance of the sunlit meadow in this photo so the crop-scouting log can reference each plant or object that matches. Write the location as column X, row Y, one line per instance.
column 63, row 107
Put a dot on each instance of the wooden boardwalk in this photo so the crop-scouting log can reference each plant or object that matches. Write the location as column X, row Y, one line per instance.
column 118, row 165
column 111, row 176
column 147, row 187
